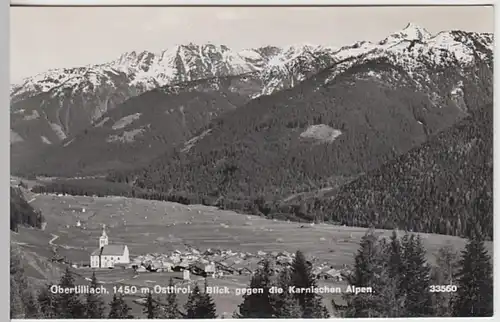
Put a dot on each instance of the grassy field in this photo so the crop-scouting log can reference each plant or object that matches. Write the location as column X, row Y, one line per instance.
column 161, row 227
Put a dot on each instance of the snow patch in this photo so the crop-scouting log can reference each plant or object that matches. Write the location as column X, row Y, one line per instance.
column 34, row 115
column 68, row 143
column 101, row 123
column 250, row 54
column 15, row 138
column 58, row 130
column 189, row 144
column 321, row 132
column 124, row 121
column 19, row 111
column 458, row 89
column 125, row 137
column 45, row 140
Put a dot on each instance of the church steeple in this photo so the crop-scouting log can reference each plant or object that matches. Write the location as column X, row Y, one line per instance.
column 103, row 241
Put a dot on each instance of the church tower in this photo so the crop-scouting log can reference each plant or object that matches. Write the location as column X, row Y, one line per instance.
column 103, row 241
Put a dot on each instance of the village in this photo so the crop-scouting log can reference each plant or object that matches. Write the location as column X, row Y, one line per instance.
column 216, row 263
column 144, row 244
column 212, row 262
column 219, row 263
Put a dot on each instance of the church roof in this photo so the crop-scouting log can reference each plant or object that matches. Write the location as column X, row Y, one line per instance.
column 110, row 250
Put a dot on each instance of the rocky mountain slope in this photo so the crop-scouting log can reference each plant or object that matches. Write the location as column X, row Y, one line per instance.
column 52, row 106
column 318, row 135
column 144, row 126
column 433, row 65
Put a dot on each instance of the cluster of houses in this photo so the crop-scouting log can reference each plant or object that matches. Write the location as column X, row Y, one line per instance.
column 214, row 263
column 218, row 263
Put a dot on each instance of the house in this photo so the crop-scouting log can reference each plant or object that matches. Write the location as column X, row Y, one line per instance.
column 210, row 268
column 202, row 268
column 334, row 274
column 329, row 274
column 106, row 256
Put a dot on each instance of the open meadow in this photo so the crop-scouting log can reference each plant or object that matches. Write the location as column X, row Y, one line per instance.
column 161, row 227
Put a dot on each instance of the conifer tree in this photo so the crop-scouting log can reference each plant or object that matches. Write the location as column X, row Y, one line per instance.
column 205, row 308
column 443, row 274
column 285, row 304
column 69, row 305
column 23, row 303
column 16, row 303
column 171, row 309
column 302, row 277
column 200, row 305
column 377, row 264
column 32, row 307
column 474, row 296
column 94, row 306
column 416, row 279
column 259, row 305
column 289, row 308
column 119, row 309
column 392, row 279
column 367, row 269
column 47, row 303
column 395, row 262
column 192, row 302
column 151, row 308
column 386, row 299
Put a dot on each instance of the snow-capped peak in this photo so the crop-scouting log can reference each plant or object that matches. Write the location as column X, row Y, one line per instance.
column 184, row 62
column 410, row 32
column 414, row 32
column 132, row 59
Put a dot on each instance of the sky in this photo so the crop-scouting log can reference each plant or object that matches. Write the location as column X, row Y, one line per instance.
column 43, row 38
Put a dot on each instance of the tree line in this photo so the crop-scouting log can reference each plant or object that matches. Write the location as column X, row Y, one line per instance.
column 403, row 281
column 21, row 212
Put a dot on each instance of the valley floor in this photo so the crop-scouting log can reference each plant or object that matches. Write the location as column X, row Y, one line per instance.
column 162, row 227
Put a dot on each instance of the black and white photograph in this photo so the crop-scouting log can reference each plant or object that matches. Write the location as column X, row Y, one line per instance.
column 240, row 162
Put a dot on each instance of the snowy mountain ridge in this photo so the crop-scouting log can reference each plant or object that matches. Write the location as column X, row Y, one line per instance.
column 63, row 102
column 279, row 67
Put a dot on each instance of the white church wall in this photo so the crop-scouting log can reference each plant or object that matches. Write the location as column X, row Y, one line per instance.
column 106, row 261
column 94, row 261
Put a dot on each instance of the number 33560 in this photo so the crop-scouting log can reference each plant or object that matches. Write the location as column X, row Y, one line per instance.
column 443, row 288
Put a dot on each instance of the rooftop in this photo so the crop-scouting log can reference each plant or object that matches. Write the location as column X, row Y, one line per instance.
column 108, row 250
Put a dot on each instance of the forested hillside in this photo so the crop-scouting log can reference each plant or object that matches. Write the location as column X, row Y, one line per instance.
column 21, row 213
column 143, row 127
column 444, row 186
column 310, row 137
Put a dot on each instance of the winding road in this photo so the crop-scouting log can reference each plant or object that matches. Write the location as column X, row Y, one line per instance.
column 54, row 237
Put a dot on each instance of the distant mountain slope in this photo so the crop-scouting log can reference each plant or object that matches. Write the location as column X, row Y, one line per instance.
column 434, row 65
column 49, row 107
column 49, row 117
column 144, row 126
column 319, row 134
column 21, row 213
column 445, row 186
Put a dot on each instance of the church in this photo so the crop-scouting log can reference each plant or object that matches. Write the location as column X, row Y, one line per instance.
column 106, row 256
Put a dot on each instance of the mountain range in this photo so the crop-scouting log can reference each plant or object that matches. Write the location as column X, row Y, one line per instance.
column 305, row 130
column 53, row 106
column 52, row 111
